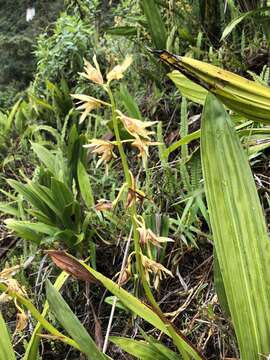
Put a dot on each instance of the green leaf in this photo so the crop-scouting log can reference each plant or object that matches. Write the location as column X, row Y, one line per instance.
column 110, row 300
column 122, row 31
column 188, row 88
column 42, row 103
column 85, row 186
column 171, row 355
column 9, row 209
column 49, row 129
column 31, row 352
column 46, row 196
column 23, row 230
column 239, row 230
column 12, row 114
column 185, row 140
column 66, row 236
column 45, row 156
column 30, row 195
column 229, row 28
column 219, row 287
column 129, row 103
column 133, row 304
column 61, row 194
column 155, row 23
column 168, row 354
column 141, row 349
column 6, row 350
column 239, row 94
column 19, row 225
column 71, row 324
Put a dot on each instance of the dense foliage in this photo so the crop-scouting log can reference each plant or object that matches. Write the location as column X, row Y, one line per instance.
column 17, row 41
column 136, row 170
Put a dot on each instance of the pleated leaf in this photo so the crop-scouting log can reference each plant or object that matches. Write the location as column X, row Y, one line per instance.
column 188, row 88
column 239, row 94
column 239, row 230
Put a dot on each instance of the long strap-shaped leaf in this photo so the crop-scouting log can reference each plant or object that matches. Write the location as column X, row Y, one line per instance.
column 155, row 23
column 84, row 272
column 240, row 235
column 239, row 94
column 6, row 350
column 72, row 324
column 31, row 352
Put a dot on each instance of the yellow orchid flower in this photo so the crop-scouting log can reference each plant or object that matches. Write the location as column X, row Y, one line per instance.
column 135, row 127
column 104, row 148
column 148, row 236
column 92, row 73
column 13, row 286
column 143, row 147
column 21, row 321
column 134, row 194
column 103, row 205
column 87, row 103
column 158, row 270
column 117, row 72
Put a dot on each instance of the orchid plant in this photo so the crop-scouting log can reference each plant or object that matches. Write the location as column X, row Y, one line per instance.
column 140, row 132
column 148, row 271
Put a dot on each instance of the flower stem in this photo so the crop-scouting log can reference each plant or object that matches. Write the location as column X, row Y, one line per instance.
column 136, row 237
column 132, row 209
column 118, row 138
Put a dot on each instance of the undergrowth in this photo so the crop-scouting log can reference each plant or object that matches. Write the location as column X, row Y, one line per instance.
column 103, row 172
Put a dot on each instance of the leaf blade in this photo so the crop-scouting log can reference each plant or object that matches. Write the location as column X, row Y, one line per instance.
column 240, row 234
column 6, row 350
column 156, row 25
column 85, row 186
column 71, row 323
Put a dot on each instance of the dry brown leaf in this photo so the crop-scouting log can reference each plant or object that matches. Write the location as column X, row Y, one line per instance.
column 98, row 333
column 124, row 276
column 21, row 323
column 103, row 205
column 70, row 265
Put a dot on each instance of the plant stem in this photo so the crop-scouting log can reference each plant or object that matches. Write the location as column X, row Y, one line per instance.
column 132, row 209
column 118, row 138
column 178, row 339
